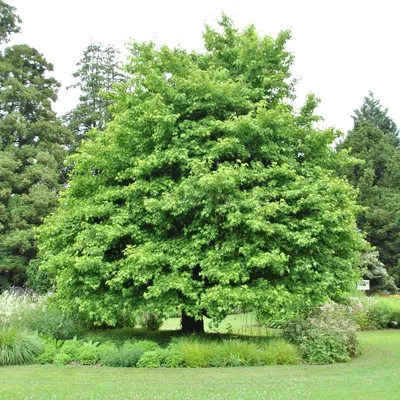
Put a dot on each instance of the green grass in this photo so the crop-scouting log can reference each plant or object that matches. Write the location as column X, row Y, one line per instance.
column 375, row 375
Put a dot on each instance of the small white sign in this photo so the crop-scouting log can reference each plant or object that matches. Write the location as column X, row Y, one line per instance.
column 363, row 285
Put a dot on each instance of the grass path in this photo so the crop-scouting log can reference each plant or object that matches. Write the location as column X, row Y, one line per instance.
column 375, row 375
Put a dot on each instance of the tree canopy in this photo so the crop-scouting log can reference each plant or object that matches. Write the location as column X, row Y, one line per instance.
column 206, row 192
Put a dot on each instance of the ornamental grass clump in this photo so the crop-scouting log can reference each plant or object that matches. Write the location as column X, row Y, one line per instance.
column 197, row 352
column 18, row 347
column 14, row 303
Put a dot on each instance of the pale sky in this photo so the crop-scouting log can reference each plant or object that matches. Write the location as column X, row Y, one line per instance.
column 343, row 48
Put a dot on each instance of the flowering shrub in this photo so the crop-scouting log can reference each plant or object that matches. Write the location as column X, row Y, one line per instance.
column 327, row 336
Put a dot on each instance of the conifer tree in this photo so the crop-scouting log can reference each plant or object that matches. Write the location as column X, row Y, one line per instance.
column 374, row 139
column 32, row 151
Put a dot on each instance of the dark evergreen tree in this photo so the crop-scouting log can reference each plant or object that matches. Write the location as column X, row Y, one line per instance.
column 374, row 139
column 32, row 151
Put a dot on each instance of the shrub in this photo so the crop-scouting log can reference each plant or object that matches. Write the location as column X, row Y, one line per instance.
column 18, row 347
column 71, row 348
column 49, row 352
column 196, row 352
column 376, row 312
column 62, row 359
column 172, row 359
column 48, row 319
column 324, row 347
column 328, row 336
column 152, row 359
column 88, row 355
column 151, row 322
column 26, row 310
column 127, row 355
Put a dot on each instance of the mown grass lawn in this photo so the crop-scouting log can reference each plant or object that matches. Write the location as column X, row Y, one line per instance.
column 375, row 375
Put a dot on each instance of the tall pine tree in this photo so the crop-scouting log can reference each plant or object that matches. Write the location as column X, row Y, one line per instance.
column 375, row 140
column 32, row 151
column 97, row 73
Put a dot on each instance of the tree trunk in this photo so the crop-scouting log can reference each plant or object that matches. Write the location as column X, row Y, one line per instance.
column 191, row 325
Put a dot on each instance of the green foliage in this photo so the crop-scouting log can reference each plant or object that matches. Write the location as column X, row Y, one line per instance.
column 32, row 151
column 195, row 352
column 48, row 354
column 97, row 75
column 72, row 348
column 328, row 336
column 88, row 353
column 324, row 347
column 279, row 352
column 126, row 355
column 375, row 140
column 149, row 321
column 62, row 359
column 376, row 273
column 151, row 359
column 18, row 347
column 26, row 310
column 8, row 21
column 206, row 192
column 376, row 312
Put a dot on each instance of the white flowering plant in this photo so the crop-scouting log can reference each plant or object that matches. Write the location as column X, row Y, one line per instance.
column 14, row 303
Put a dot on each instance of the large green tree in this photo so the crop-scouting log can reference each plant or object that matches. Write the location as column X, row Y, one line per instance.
column 9, row 21
column 98, row 72
column 32, row 151
column 206, row 192
column 374, row 139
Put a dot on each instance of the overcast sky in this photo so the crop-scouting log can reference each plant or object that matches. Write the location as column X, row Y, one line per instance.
column 343, row 49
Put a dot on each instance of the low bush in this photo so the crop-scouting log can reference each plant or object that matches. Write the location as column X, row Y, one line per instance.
column 18, row 347
column 327, row 336
column 376, row 312
column 72, row 348
column 151, row 322
column 49, row 352
column 48, row 319
column 62, row 359
column 127, row 355
column 152, row 359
